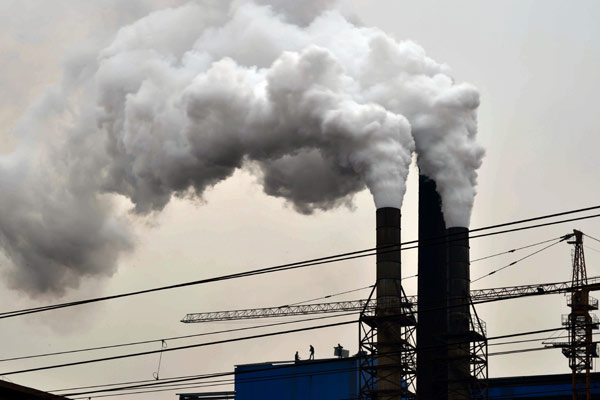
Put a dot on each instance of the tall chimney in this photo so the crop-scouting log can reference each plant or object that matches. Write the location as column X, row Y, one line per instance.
column 432, row 366
column 389, row 292
column 458, row 314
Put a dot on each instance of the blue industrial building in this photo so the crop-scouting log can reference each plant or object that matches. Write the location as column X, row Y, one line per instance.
column 547, row 387
column 300, row 380
column 337, row 379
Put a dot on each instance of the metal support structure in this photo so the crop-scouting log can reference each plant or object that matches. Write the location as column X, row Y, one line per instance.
column 404, row 322
column 367, row 350
column 478, row 386
column 357, row 306
column 580, row 324
column 283, row 311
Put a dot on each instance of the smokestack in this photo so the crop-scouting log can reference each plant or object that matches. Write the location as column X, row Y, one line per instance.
column 443, row 369
column 389, row 275
column 458, row 313
column 432, row 368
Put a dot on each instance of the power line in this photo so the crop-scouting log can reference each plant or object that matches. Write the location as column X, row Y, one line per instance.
column 156, row 391
column 157, row 340
column 513, row 250
column 518, row 351
column 591, row 248
column 172, row 338
column 312, row 262
column 177, row 386
column 199, row 345
column 252, row 337
column 591, row 237
column 340, row 293
column 168, row 381
column 229, row 373
column 519, row 260
column 207, row 376
column 531, row 340
column 229, row 381
column 284, row 267
column 263, row 335
column 330, row 295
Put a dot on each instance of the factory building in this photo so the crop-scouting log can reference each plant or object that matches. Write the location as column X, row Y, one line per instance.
column 338, row 379
column 434, row 348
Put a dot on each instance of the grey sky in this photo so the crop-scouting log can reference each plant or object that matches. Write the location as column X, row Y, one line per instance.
column 535, row 64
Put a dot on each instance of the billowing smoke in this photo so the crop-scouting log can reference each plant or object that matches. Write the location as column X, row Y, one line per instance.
column 317, row 107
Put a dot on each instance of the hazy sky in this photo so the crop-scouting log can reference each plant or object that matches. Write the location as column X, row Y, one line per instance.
column 535, row 64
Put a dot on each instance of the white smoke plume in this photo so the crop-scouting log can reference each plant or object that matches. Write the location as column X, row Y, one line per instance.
column 318, row 107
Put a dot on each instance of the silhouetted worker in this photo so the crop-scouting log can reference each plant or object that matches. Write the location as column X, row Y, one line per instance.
column 339, row 350
column 312, row 352
column 296, row 357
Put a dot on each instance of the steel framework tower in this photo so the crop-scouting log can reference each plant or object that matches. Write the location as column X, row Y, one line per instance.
column 581, row 349
column 388, row 366
column 402, row 324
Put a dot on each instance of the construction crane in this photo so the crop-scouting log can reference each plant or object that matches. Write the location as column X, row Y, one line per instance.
column 580, row 324
column 501, row 293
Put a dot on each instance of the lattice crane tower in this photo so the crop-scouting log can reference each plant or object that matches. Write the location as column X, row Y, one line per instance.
column 580, row 324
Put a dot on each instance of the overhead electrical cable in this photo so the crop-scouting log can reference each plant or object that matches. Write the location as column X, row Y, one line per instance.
column 591, row 237
column 122, row 356
column 519, row 260
column 176, row 386
column 142, row 342
column 339, row 294
column 273, row 334
column 169, row 381
column 513, row 250
column 227, row 373
column 188, row 380
column 212, row 375
column 219, row 383
column 329, row 296
column 263, row 335
column 534, row 340
column 591, row 248
column 155, row 391
column 150, row 341
column 315, row 261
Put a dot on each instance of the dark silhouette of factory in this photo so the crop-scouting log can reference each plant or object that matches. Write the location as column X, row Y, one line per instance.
column 433, row 350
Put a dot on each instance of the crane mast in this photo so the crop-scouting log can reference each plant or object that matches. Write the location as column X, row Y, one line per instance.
column 580, row 324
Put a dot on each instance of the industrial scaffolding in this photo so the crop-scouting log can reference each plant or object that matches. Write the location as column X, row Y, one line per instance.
column 404, row 325
column 580, row 324
column 406, row 322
